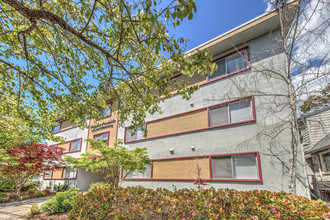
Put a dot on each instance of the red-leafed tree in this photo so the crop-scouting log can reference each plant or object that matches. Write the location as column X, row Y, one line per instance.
column 26, row 160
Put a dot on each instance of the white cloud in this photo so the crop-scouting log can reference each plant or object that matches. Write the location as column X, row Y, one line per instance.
column 312, row 49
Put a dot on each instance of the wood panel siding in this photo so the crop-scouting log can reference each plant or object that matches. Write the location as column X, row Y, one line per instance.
column 180, row 168
column 65, row 146
column 181, row 123
column 57, row 174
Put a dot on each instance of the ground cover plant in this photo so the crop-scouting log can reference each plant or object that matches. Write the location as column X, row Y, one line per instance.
column 141, row 203
column 62, row 202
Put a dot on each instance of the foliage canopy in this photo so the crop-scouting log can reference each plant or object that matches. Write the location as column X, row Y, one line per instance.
column 66, row 58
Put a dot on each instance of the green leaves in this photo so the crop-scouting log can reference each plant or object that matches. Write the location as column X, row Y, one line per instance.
column 80, row 55
column 109, row 162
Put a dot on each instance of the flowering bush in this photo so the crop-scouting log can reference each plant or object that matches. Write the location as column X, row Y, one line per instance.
column 141, row 203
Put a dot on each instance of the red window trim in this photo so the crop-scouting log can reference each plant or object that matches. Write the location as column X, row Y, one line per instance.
column 60, row 123
column 110, row 107
column 103, row 133
column 207, row 81
column 247, row 48
column 48, row 178
column 81, row 140
column 62, row 175
column 202, row 129
column 259, row 179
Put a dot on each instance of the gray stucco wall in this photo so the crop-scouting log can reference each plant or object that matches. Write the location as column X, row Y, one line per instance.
column 269, row 135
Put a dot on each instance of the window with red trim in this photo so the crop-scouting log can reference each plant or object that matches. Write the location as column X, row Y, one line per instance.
column 48, row 174
column 103, row 112
column 75, row 145
column 103, row 137
column 238, row 166
column 233, row 112
column 130, row 135
column 231, row 64
column 138, row 174
column 70, row 173
column 57, row 128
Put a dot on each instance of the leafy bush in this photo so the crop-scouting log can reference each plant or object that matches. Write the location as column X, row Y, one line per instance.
column 23, row 197
column 61, row 188
column 7, row 186
column 62, row 202
column 98, row 185
column 30, row 185
column 3, row 194
column 141, row 203
column 40, row 193
column 32, row 190
column 35, row 210
column 3, row 197
column 13, row 196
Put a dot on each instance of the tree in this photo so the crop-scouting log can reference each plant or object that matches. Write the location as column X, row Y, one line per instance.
column 110, row 163
column 66, row 58
column 26, row 160
column 316, row 101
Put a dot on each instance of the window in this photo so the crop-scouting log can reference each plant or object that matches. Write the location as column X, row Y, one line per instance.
column 48, row 174
column 139, row 175
column 57, row 128
column 69, row 173
column 231, row 64
column 131, row 136
column 75, row 145
column 104, row 111
column 240, row 166
column 315, row 165
column 326, row 161
column 230, row 113
column 103, row 137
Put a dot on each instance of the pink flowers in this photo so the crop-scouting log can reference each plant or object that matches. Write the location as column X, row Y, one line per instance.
column 193, row 214
column 300, row 213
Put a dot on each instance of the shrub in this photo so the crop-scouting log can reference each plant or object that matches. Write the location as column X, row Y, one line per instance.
column 3, row 194
column 30, row 185
column 40, row 193
column 141, row 203
column 7, row 186
column 98, row 185
column 61, row 188
column 35, row 210
column 13, row 196
column 32, row 190
column 62, row 202
column 23, row 197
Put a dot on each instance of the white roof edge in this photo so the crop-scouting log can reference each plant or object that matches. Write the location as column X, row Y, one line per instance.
column 230, row 31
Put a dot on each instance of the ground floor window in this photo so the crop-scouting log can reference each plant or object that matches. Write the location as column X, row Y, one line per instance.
column 140, row 175
column 239, row 166
column 48, row 174
column 69, row 173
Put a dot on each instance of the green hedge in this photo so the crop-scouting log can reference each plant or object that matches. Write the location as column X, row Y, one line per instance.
column 141, row 203
column 62, row 202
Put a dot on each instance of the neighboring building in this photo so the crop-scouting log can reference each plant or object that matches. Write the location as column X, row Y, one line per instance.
column 315, row 134
column 230, row 128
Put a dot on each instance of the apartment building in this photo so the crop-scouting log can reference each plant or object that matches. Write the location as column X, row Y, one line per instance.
column 231, row 129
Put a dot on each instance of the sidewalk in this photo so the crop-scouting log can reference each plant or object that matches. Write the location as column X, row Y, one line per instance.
column 17, row 210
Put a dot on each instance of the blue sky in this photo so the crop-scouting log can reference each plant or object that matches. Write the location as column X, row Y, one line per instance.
column 215, row 17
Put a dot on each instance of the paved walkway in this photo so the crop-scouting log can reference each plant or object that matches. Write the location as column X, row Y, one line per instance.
column 17, row 210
